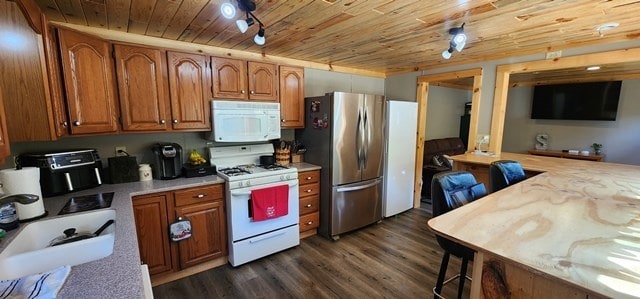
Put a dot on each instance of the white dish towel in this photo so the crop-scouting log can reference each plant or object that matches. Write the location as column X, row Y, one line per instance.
column 44, row 285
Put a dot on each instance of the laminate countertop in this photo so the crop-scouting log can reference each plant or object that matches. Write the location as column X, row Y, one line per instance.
column 578, row 222
column 117, row 275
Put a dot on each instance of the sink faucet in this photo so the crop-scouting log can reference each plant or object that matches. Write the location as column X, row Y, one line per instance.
column 24, row 199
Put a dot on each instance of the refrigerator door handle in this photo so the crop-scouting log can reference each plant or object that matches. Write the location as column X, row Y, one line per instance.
column 359, row 140
column 356, row 188
column 366, row 137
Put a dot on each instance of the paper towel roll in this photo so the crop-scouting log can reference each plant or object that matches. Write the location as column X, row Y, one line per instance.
column 23, row 181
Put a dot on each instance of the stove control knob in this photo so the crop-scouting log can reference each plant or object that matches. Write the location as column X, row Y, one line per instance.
column 239, row 184
column 248, row 183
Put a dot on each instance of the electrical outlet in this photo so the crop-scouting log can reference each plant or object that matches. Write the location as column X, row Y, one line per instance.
column 120, row 151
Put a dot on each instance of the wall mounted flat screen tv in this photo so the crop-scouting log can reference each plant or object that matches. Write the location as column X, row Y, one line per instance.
column 578, row 101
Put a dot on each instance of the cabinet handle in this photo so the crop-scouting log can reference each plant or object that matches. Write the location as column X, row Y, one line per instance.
column 65, row 124
column 76, row 123
column 308, row 191
column 282, row 120
column 242, row 91
column 309, row 205
column 175, row 121
column 200, row 196
column 162, row 121
column 310, row 222
column 308, row 178
column 252, row 92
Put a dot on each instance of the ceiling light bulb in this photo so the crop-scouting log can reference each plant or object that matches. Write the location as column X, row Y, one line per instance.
column 242, row 25
column 228, row 10
column 446, row 54
column 259, row 38
column 593, row 68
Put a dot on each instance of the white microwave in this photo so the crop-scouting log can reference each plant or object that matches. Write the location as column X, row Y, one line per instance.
column 239, row 121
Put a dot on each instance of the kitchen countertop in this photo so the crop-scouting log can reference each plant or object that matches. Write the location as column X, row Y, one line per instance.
column 303, row 166
column 118, row 275
column 577, row 222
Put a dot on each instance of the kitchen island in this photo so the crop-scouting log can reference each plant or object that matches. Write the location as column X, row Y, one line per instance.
column 571, row 231
column 117, row 275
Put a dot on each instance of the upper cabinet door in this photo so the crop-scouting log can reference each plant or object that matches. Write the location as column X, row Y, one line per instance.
column 190, row 85
column 229, row 78
column 143, row 88
column 292, row 97
column 90, row 83
column 4, row 137
column 263, row 81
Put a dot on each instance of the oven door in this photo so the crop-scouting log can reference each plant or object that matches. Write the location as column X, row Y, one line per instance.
column 242, row 225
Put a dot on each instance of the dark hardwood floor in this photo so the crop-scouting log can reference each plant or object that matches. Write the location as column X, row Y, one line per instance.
column 397, row 258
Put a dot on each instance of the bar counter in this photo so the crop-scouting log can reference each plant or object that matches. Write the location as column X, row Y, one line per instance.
column 572, row 230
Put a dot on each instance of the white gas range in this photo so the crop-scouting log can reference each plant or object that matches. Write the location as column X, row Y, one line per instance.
column 248, row 239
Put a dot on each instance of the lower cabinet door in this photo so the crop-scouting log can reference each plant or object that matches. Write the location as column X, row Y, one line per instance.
column 150, row 213
column 208, row 233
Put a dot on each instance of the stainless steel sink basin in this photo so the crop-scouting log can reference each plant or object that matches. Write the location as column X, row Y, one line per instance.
column 29, row 252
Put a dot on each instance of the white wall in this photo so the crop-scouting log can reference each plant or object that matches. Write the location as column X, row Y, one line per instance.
column 620, row 137
column 444, row 109
column 317, row 82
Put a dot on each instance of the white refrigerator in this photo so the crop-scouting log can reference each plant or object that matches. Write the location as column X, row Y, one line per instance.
column 399, row 161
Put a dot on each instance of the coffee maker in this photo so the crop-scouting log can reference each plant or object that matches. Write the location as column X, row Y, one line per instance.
column 167, row 161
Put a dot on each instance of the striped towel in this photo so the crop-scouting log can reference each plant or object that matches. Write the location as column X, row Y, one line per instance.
column 41, row 286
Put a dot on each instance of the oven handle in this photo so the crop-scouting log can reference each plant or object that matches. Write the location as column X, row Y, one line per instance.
column 236, row 193
column 266, row 238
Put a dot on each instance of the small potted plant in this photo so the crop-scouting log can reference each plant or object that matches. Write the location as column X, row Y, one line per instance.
column 597, row 148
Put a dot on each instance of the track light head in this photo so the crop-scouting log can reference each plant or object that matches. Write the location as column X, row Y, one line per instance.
column 243, row 25
column 259, row 38
column 458, row 41
column 228, row 10
column 446, row 54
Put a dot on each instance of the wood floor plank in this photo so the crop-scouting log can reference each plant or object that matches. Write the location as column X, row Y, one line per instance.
column 396, row 258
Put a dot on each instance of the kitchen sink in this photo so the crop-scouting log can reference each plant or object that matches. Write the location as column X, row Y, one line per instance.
column 29, row 252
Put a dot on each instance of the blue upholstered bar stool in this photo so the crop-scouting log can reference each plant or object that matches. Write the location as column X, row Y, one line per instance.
column 504, row 173
column 450, row 190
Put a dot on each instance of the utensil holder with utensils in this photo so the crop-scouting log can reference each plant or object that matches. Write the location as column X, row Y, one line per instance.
column 283, row 156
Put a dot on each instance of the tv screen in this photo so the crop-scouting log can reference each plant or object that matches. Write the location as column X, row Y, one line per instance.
column 578, row 101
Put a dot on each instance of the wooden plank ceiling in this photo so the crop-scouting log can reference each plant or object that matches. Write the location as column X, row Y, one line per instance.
column 379, row 35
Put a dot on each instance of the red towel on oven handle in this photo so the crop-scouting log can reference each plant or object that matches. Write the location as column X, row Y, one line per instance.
column 270, row 202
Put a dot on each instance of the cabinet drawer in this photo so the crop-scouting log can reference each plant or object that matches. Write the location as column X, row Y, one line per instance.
column 309, row 204
column 309, row 189
column 198, row 195
column 309, row 177
column 309, row 221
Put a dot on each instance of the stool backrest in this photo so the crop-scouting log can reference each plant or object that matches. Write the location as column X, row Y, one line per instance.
column 504, row 173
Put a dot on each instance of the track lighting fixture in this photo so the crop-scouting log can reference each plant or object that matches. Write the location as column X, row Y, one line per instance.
column 228, row 10
column 243, row 25
column 458, row 41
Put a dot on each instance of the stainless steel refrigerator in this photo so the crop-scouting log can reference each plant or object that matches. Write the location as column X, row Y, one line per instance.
column 344, row 133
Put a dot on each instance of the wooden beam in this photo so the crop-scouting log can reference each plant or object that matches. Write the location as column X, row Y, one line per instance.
column 32, row 13
column 421, row 96
column 211, row 50
column 452, row 85
column 450, row 75
column 499, row 111
column 475, row 111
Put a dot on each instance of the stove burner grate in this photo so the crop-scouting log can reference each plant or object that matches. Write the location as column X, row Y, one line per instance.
column 234, row 171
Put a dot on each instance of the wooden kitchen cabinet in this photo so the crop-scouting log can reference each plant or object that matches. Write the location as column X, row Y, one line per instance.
column 291, row 97
column 143, row 88
column 203, row 206
column 89, row 80
column 4, row 137
column 241, row 80
column 150, row 213
column 309, row 202
column 190, row 91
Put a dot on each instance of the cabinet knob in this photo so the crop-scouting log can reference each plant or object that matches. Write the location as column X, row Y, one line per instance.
column 162, row 121
column 309, row 205
column 310, row 222
column 200, row 196
column 65, row 124
column 252, row 92
column 242, row 91
column 76, row 123
column 282, row 120
column 175, row 121
column 308, row 191
column 308, row 178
